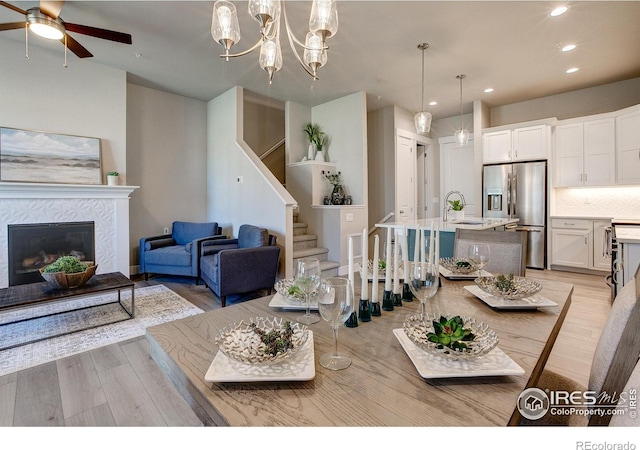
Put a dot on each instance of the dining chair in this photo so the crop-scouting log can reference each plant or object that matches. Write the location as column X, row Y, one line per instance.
column 614, row 359
column 508, row 249
column 623, row 417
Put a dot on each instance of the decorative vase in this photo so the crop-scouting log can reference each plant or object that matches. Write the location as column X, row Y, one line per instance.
column 458, row 215
column 337, row 196
column 112, row 180
column 319, row 155
column 311, row 153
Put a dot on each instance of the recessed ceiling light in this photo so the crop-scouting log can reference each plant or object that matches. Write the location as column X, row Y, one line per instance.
column 433, row 103
column 572, row 70
column 488, row 90
column 568, row 47
column 559, row 11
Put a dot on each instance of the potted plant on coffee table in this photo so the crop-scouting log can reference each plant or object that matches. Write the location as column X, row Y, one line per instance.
column 68, row 272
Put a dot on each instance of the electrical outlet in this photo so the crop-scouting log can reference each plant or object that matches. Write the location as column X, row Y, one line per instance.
column 166, row 230
column 240, row 180
column 348, row 217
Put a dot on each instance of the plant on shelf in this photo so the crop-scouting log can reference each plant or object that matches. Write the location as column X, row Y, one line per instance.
column 317, row 140
column 113, row 174
column 337, row 195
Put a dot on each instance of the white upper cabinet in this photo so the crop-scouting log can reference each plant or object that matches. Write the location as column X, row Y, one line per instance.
column 628, row 147
column 585, row 153
column 517, row 143
column 496, row 147
column 530, row 143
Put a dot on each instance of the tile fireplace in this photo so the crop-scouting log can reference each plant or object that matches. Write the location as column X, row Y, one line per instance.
column 36, row 245
column 106, row 206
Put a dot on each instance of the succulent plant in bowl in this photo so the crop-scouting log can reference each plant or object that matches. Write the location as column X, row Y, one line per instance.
column 68, row 272
column 451, row 333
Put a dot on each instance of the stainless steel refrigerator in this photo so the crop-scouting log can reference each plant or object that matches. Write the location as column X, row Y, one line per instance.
column 519, row 190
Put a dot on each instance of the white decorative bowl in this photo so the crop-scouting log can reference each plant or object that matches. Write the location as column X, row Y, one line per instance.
column 283, row 287
column 521, row 287
column 417, row 331
column 241, row 342
column 458, row 265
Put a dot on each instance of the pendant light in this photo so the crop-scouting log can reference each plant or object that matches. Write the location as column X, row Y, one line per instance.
column 423, row 118
column 461, row 136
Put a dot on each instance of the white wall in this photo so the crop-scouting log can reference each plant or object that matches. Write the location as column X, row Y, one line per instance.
column 166, row 157
column 621, row 202
column 85, row 99
column 258, row 198
column 345, row 123
column 582, row 102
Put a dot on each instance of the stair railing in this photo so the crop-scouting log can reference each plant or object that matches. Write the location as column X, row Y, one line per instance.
column 383, row 220
column 272, row 149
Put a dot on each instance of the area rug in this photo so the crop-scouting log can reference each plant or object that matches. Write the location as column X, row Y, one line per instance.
column 153, row 305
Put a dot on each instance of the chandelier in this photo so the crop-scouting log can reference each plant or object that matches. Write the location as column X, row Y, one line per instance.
column 323, row 24
column 423, row 118
column 461, row 136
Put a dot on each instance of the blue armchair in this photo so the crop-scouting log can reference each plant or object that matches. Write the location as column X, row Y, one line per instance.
column 243, row 265
column 178, row 253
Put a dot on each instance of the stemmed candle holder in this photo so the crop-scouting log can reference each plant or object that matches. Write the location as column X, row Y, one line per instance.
column 387, row 300
column 364, row 307
column 397, row 296
column 407, row 296
column 375, row 304
column 352, row 320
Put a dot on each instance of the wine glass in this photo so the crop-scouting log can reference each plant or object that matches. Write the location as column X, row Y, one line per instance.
column 423, row 282
column 307, row 280
column 479, row 255
column 335, row 302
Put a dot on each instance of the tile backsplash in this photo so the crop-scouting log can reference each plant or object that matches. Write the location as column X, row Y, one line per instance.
column 614, row 202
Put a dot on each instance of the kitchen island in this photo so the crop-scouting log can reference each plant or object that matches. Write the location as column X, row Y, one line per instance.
column 447, row 229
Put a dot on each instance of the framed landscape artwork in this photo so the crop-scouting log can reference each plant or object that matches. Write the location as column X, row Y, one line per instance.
column 39, row 157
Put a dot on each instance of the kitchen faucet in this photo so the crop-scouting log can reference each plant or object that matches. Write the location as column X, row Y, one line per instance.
column 447, row 207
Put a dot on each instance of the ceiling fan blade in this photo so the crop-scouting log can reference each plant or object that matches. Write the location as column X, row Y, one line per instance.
column 51, row 8
column 15, row 8
column 99, row 33
column 12, row 25
column 76, row 48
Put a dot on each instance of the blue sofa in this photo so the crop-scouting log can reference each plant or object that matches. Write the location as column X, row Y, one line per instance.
column 178, row 253
column 243, row 265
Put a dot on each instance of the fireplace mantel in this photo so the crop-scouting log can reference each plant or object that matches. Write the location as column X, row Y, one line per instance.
column 106, row 206
column 50, row 190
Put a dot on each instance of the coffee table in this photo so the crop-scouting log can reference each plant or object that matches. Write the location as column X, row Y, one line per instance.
column 38, row 294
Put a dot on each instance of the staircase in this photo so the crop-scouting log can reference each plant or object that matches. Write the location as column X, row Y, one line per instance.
column 306, row 245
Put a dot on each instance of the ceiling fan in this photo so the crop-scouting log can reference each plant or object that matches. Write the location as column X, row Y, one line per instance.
column 45, row 21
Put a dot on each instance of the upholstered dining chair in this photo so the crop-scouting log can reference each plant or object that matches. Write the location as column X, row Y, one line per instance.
column 508, row 249
column 177, row 253
column 613, row 363
column 243, row 265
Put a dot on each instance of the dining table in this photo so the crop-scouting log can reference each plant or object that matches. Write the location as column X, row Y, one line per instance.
column 382, row 386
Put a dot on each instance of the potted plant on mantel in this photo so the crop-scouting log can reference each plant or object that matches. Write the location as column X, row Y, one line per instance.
column 113, row 178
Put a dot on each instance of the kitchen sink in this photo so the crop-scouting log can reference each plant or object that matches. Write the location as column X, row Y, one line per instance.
column 467, row 222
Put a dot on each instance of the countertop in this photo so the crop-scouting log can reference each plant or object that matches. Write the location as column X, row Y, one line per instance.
column 469, row 223
column 628, row 234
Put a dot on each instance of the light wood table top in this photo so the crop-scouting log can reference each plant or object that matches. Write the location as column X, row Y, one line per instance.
column 381, row 387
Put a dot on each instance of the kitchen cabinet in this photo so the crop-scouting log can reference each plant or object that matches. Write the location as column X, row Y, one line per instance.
column 585, row 153
column 570, row 243
column 516, row 143
column 579, row 243
column 628, row 147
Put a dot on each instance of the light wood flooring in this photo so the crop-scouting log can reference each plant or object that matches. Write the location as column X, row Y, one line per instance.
column 119, row 385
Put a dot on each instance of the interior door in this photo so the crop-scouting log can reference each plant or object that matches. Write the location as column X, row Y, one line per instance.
column 405, row 179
